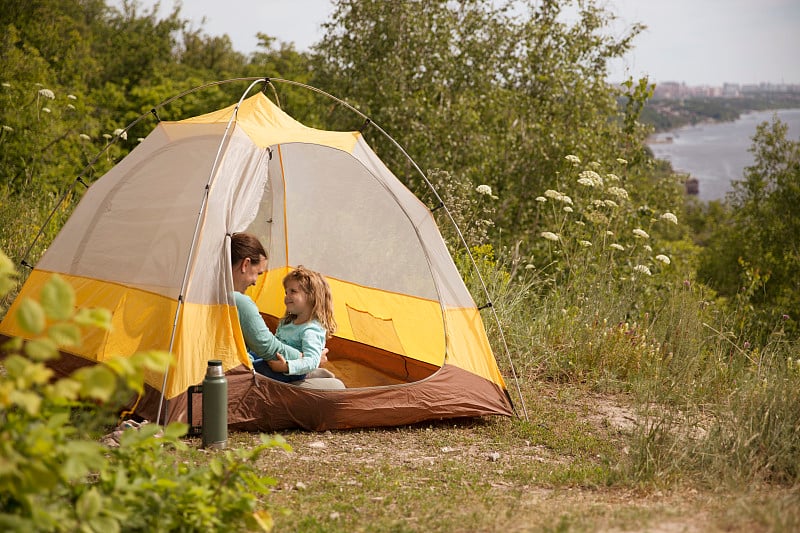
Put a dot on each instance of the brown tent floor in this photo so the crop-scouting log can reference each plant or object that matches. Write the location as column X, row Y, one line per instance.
column 354, row 374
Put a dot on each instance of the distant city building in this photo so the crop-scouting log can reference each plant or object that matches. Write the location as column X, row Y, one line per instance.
column 673, row 90
column 730, row 89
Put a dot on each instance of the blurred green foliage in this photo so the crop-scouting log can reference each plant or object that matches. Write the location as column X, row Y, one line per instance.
column 57, row 476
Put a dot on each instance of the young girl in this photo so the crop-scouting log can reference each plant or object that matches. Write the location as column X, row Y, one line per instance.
column 307, row 324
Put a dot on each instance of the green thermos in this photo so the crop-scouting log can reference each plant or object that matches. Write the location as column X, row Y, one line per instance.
column 215, row 406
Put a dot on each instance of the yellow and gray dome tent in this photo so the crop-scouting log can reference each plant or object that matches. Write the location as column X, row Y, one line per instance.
column 150, row 241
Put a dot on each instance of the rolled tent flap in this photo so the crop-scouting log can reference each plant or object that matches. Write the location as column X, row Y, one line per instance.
column 149, row 241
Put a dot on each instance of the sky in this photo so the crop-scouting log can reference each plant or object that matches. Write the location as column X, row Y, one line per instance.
column 697, row 42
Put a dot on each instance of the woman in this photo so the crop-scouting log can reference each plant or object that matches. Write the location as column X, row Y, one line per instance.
column 248, row 262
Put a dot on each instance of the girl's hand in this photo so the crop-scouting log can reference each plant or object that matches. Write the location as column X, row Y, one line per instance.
column 324, row 357
column 279, row 364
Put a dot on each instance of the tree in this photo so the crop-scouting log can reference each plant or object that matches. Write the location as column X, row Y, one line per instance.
column 756, row 255
column 496, row 94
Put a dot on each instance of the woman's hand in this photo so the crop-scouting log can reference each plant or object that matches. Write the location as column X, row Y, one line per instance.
column 279, row 364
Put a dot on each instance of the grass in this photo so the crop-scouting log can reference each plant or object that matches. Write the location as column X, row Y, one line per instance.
column 563, row 471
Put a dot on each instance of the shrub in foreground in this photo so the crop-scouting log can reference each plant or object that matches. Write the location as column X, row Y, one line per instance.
column 56, row 476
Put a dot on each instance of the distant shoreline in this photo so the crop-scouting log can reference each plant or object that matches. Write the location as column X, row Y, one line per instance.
column 669, row 115
column 657, row 136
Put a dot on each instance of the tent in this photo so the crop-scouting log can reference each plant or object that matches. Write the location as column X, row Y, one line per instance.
column 150, row 242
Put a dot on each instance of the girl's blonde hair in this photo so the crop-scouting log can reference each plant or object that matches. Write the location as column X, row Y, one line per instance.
column 319, row 296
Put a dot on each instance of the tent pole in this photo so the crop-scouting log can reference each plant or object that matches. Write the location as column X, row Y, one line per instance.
column 441, row 204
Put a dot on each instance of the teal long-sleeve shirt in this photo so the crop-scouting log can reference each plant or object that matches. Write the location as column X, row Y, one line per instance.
column 259, row 339
column 308, row 337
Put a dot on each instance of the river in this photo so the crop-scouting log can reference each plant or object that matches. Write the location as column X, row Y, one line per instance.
column 717, row 153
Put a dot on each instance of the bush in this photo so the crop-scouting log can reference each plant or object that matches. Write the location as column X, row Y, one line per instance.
column 56, row 476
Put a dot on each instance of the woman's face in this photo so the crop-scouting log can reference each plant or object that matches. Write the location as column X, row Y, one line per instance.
column 246, row 273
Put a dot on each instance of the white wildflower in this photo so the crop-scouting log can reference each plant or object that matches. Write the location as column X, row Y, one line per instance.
column 555, row 195
column 594, row 164
column 541, row 199
column 567, row 209
column 598, row 203
column 560, row 196
column 663, row 258
column 619, row 192
column 648, row 247
column 46, row 110
column 592, row 176
column 580, row 222
column 106, row 136
column 669, row 217
column 72, row 97
column 574, row 159
column 609, row 233
column 70, row 106
column 484, row 189
column 612, row 177
column 529, row 266
column 6, row 84
column 85, row 137
column 642, row 269
column 611, row 203
column 549, row 235
column 616, row 246
column 7, row 128
column 586, row 182
column 585, row 244
column 622, row 161
column 47, row 93
column 639, row 232
column 139, row 139
column 122, row 134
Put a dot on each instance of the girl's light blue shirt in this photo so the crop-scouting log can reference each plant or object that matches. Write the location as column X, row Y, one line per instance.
column 309, row 338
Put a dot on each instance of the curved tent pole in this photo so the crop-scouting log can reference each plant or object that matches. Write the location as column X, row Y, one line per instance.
column 268, row 81
column 441, row 205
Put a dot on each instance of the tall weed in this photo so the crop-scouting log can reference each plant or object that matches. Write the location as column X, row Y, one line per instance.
column 603, row 295
column 733, row 418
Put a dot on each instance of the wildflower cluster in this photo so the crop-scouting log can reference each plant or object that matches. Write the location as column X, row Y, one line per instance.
column 485, row 190
column 593, row 221
column 472, row 207
column 53, row 123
